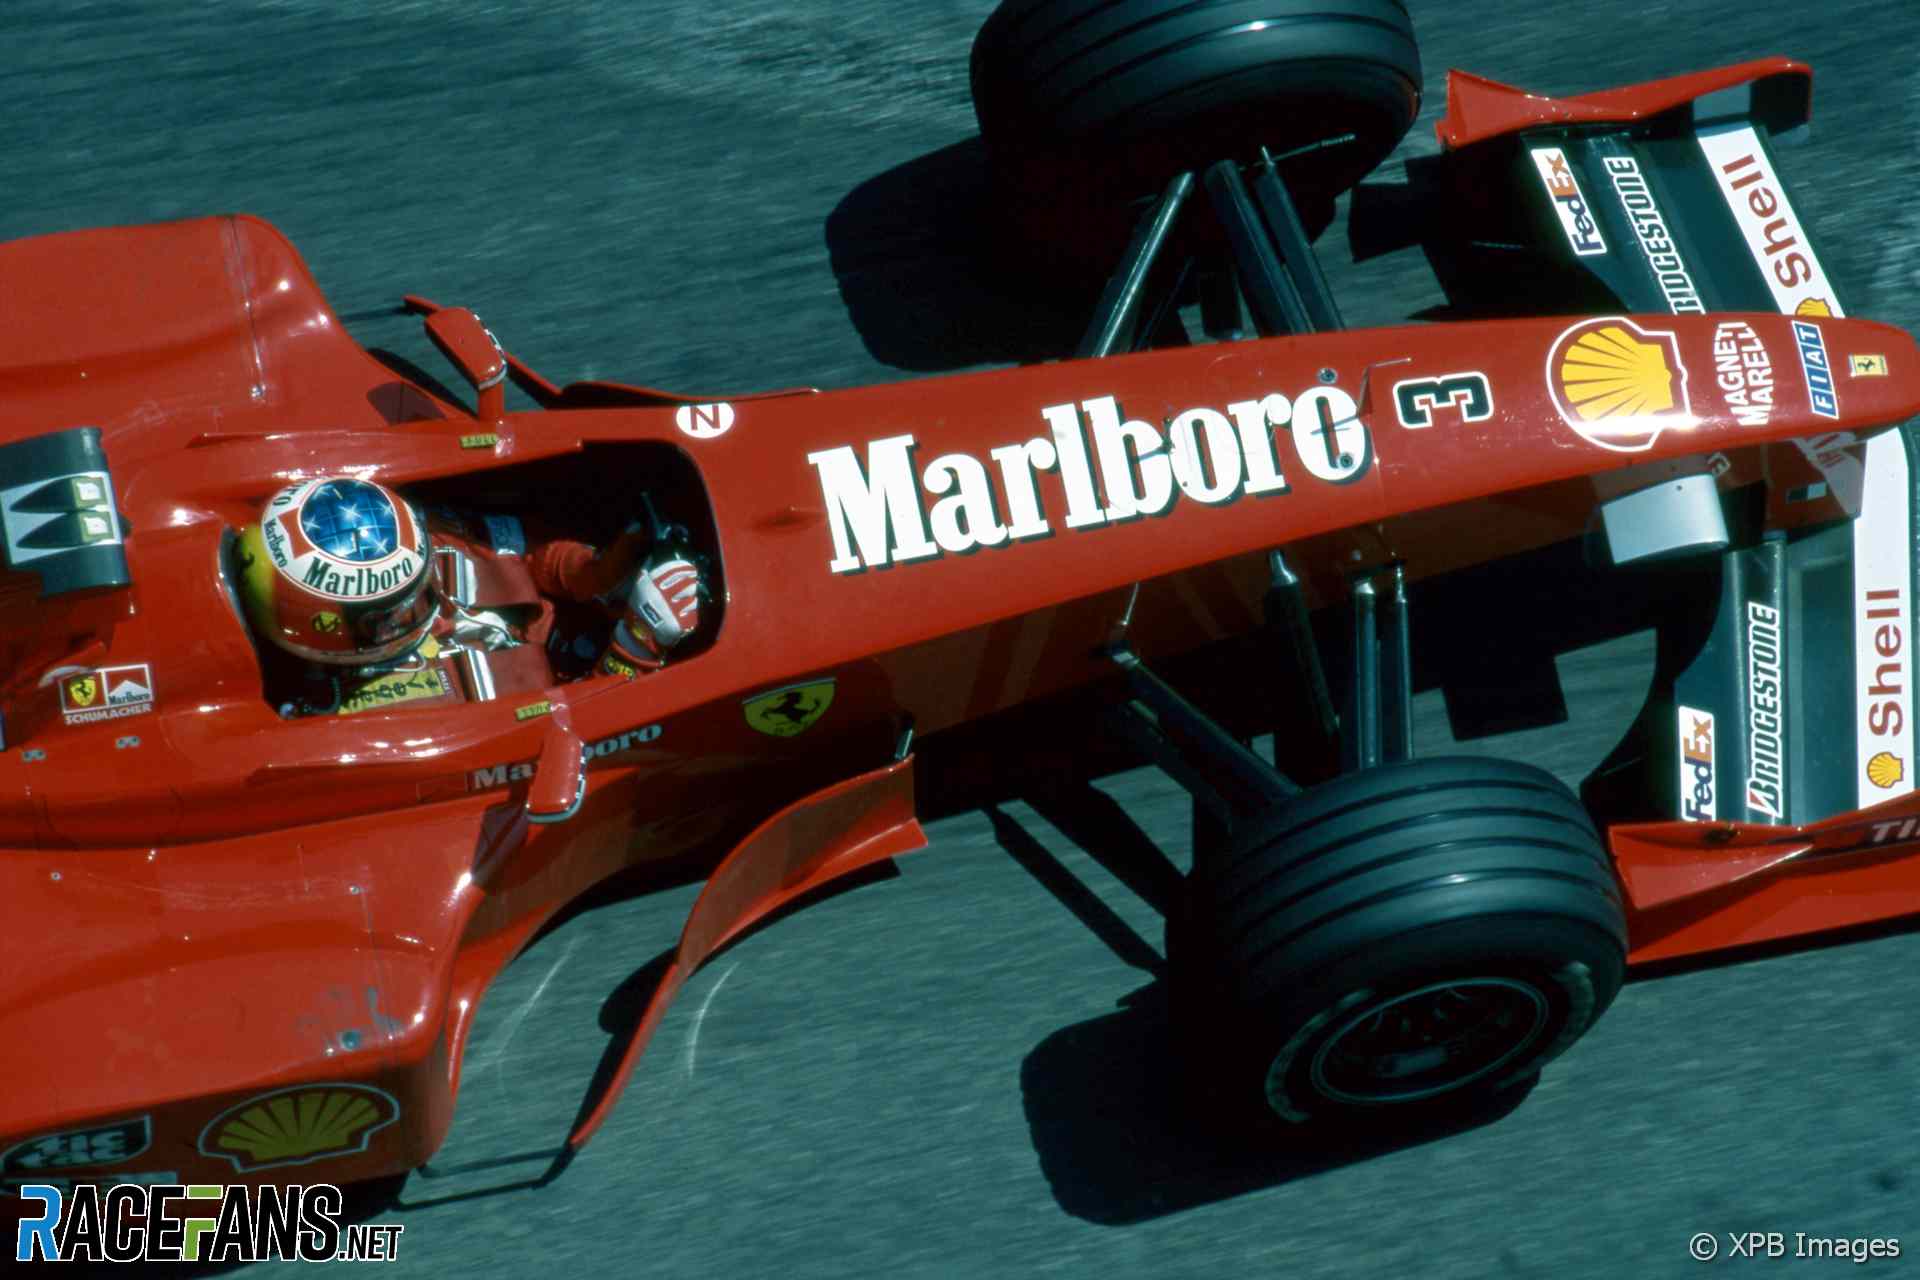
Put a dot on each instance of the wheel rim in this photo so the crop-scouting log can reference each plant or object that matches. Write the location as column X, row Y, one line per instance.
column 1429, row 1041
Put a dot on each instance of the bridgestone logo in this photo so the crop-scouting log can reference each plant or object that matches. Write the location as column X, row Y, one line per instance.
column 1766, row 729
column 879, row 514
column 1651, row 227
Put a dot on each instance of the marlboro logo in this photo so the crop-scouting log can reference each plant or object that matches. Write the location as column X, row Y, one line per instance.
column 885, row 509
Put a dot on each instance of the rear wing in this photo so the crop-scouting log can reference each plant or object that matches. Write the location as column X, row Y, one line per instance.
column 1667, row 196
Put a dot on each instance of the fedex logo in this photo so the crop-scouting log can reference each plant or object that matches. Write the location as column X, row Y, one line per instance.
column 1583, row 233
column 1697, row 790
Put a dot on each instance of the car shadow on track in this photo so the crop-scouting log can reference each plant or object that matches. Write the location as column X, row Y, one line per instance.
column 452, row 1178
column 1117, row 1118
column 1481, row 262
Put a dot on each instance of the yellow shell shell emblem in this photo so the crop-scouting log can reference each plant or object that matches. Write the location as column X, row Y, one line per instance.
column 299, row 1125
column 82, row 690
column 789, row 710
column 1814, row 307
column 1885, row 769
column 1617, row 384
column 1609, row 373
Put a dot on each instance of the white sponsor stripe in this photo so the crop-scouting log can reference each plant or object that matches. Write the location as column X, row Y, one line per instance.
column 1883, row 646
column 1758, row 201
column 1766, row 219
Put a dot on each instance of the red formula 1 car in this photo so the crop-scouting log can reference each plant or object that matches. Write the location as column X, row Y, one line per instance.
column 247, row 945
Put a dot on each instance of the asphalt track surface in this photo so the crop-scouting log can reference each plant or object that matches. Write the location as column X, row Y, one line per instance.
column 959, row 1070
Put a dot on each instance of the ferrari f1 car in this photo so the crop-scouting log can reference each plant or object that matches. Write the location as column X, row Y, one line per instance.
column 245, row 946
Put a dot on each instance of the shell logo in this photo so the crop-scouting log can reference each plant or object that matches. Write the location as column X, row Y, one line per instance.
column 299, row 1125
column 1885, row 769
column 1814, row 307
column 1619, row 385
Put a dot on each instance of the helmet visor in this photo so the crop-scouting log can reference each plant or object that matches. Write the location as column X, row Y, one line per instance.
column 378, row 625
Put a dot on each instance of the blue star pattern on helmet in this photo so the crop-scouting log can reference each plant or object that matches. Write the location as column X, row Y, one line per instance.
column 351, row 520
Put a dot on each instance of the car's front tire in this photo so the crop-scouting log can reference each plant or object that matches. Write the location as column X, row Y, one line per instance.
column 1407, row 940
column 1090, row 105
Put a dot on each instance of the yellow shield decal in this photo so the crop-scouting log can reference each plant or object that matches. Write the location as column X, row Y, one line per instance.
column 82, row 690
column 789, row 710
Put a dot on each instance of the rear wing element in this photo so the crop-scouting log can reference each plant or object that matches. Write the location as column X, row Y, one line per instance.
column 1666, row 197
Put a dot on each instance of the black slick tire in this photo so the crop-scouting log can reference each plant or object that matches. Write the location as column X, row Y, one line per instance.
column 1409, row 940
column 1087, row 105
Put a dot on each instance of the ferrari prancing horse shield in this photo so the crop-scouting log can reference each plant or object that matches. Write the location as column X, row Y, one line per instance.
column 789, row 710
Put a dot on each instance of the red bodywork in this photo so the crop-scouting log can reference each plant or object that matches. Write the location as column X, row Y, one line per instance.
column 208, row 911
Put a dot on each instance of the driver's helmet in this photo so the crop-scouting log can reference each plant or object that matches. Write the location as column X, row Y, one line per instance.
column 337, row 571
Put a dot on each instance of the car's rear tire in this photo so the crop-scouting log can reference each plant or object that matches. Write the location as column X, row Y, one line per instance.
column 1087, row 105
column 1408, row 940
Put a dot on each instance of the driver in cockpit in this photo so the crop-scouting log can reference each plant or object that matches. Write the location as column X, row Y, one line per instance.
column 377, row 603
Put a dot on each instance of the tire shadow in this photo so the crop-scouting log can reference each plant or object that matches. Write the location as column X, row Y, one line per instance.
column 1123, row 1126
column 929, row 279
column 1121, row 1140
column 1475, row 241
